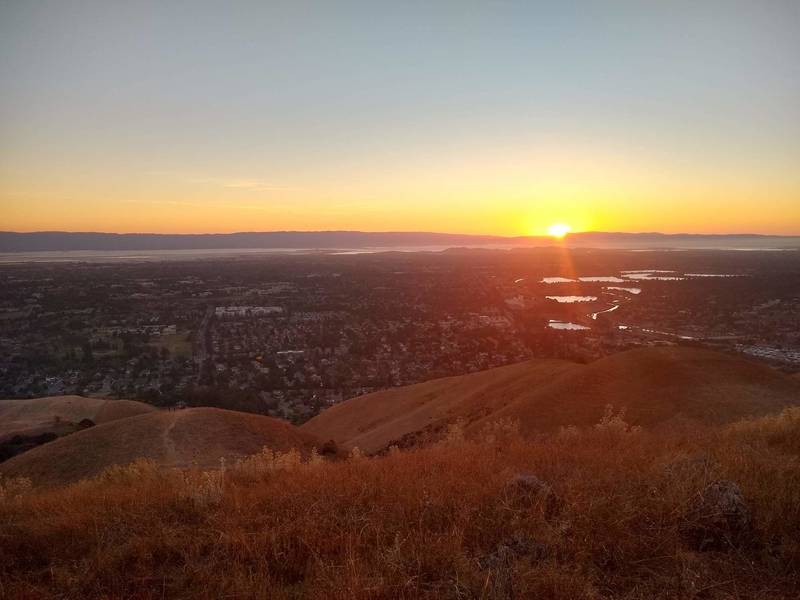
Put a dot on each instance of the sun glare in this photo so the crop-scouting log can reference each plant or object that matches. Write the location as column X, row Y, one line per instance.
column 558, row 230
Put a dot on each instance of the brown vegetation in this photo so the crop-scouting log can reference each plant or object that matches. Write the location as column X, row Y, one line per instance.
column 655, row 385
column 600, row 512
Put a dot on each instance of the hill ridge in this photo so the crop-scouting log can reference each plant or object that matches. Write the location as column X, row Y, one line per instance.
column 654, row 385
column 183, row 438
column 34, row 415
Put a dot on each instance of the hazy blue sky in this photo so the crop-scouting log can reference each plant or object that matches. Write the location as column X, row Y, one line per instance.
column 498, row 117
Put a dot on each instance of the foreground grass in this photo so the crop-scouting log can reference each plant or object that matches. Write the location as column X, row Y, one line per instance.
column 422, row 524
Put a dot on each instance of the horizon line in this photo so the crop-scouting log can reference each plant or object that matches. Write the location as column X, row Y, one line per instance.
column 401, row 232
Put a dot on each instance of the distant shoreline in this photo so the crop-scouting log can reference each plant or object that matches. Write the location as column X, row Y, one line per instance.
column 55, row 242
column 122, row 256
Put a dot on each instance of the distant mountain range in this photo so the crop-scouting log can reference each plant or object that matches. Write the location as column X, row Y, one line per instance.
column 60, row 241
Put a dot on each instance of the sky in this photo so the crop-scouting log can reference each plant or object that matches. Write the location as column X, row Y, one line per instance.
column 470, row 117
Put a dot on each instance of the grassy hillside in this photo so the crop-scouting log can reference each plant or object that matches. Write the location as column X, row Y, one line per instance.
column 654, row 386
column 614, row 516
column 182, row 438
column 26, row 417
column 372, row 421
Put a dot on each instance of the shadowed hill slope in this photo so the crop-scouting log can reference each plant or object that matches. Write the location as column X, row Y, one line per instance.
column 654, row 385
column 183, row 438
column 49, row 414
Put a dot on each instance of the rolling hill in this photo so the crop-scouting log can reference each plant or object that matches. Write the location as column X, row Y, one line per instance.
column 653, row 385
column 182, row 438
column 374, row 420
column 57, row 413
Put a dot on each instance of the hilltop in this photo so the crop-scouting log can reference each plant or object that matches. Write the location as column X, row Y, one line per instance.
column 54, row 413
column 182, row 438
column 653, row 385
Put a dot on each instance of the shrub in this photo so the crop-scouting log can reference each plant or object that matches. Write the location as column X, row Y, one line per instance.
column 500, row 431
column 130, row 473
column 268, row 461
column 614, row 425
column 203, row 488
column 454, row 434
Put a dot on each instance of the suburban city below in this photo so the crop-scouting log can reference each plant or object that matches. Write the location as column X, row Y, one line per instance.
column 288, row 335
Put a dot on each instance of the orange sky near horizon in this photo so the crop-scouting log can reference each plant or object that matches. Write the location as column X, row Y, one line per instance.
column 497, row 218
column 474, row 200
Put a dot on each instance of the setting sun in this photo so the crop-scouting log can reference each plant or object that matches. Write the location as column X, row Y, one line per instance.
column 558, row 230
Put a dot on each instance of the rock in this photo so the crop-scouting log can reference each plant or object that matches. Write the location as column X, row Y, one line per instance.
column 85, row 424
column 718, row 518
column 526, row 490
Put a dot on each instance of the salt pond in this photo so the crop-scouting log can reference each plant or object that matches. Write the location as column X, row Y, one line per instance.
column 558, row 280
column 651, row 277
column 565, row 325
column 572, row 299
column 603, row 279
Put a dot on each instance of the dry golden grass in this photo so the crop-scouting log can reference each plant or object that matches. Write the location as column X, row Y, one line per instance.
column 655, row 385
column 424, row 523
column 180, row 438
column 373, row 421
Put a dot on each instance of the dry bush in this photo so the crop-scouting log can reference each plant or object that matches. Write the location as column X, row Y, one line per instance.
column 454, row 434
column 315, row 459
column 780, row 431
column 268, row 461
column 203, row 488
column 436, row 522
column 130, row 473
column 500, row 431
column 614, row 425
